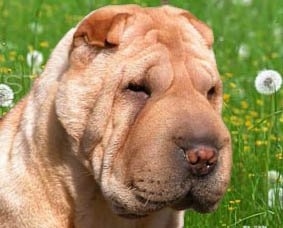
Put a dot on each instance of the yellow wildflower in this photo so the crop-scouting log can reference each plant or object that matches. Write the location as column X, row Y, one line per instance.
column 44, row 44
column 253, row 114
column 232, row 85
column 259, row 102
column 248, row 123
column 244, row 104
column 226, row 97
column 279, row 156
column 228, row 75
column 247, row 148
column 5, row 70
column 274, row 55
column 2, row 58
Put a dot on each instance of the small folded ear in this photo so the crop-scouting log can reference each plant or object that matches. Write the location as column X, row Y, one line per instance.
column 202, row 28
column 102, row 28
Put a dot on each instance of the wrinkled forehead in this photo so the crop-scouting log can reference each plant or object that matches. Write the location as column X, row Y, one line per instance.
column 186, row 38
column 133, row 29
column 170, row 22
column 170, row 26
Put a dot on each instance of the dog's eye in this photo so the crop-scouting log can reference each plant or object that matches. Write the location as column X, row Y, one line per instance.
column 211, row 93
column 139, row 89
column 137, row 95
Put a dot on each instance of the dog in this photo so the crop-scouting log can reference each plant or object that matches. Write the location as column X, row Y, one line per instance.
column 122, row 129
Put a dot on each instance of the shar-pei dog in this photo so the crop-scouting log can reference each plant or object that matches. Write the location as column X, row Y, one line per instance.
column 122, row 129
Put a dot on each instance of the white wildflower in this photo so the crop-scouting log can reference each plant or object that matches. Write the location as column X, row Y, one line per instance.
column 244, row 51
column 6, row 96
column 247, row 2
column 275, row 197
column 35, row 27
column 274, row 177
column 278, row 33
column 268, row 82
column 243, row 2
column 34, row 60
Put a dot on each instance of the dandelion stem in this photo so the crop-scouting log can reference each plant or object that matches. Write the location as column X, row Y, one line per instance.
column 252, row 216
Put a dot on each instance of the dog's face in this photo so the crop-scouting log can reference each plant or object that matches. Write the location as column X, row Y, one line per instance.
column 141, row 101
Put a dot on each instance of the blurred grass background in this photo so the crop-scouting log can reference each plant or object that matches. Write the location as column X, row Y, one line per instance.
column 248, row 38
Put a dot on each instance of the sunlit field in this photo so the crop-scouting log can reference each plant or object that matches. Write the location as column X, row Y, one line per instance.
column 248, row 40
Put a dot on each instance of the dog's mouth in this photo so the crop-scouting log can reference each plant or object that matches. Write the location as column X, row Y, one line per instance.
column 142, row 207
column 124, row 212
column 192, row 202
column 139, row 198
column 146, row 206
column 142, row 210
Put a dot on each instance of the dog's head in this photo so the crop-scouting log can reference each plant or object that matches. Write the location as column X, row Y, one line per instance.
column 142, row 99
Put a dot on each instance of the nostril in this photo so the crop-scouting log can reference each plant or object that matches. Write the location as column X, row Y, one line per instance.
column 201, row 160
column 201, row 154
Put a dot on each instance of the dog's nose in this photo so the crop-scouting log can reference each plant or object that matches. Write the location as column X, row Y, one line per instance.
column 201, row 160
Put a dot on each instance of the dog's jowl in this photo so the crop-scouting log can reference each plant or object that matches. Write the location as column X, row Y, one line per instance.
column 122, row 129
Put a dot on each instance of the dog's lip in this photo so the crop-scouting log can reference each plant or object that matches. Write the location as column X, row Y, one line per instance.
column 125, row 213
column 154, row 203
column 187, row 201
column 132, row 215
column 191, row 202
column 146, row 206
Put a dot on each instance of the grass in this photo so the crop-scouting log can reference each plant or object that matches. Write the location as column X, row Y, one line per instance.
column 255, row 120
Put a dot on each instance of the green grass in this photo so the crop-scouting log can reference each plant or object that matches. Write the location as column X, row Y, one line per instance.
column 255, row 121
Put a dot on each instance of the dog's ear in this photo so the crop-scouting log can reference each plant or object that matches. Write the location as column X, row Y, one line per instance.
column 202, row 28
column 102, row 28
column 55, row 67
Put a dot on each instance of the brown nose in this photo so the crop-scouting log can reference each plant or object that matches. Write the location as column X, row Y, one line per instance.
column 201, row 159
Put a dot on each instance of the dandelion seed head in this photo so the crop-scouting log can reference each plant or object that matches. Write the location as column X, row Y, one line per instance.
column 274, row 177
column 243, row 2
column 34, row 60
column 243, row 51
column 268, row 82
column 6, row 96
column 277, row 33
column 35, row 27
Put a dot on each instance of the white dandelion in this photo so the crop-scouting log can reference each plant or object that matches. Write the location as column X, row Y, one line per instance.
column 243, row 51
column 277, row 33
column 243, row 2
column 35, row 27
column 274, row 178
column 275, row 197
column 34, row 60
column 6, row 96
column 268, row 82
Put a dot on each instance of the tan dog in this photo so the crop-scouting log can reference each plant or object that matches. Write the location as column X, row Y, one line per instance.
column 125, row 122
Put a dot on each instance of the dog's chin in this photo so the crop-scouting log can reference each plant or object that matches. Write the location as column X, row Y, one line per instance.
column 184, row 204
column 125, row 213
column 138, row 208
column 199, row 205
